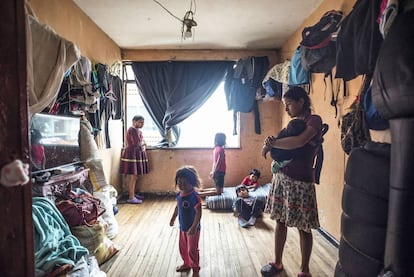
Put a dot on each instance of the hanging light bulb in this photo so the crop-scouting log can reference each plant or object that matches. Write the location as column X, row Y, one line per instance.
column 187, row 33
column 187, row 22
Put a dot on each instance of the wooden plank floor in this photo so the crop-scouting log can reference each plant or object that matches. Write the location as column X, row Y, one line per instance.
column 149, row 246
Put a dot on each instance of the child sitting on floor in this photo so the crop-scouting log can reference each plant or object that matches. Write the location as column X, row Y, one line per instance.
column 251, row 180
column 246, row 207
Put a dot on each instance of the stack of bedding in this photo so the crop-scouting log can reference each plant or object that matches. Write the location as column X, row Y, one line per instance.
column 226, row 199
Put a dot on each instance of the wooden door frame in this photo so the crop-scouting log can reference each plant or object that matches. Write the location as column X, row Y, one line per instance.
column 16, row 228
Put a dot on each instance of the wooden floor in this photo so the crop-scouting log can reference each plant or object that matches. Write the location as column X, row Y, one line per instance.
column 149, row 246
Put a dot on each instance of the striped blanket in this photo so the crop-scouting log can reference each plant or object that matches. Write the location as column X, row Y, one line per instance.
column 226, row 199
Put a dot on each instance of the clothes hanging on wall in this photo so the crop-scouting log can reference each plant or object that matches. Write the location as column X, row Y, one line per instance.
column 45, row 74
column 241, row 85
column 93, row 92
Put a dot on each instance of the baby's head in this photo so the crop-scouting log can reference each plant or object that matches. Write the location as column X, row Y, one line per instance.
column 242, row 191
column 295, row 127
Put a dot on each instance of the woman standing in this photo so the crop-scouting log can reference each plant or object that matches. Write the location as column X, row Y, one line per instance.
column 292, row 197
column 134, row 160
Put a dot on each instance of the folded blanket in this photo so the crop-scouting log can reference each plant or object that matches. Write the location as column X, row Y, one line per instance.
column 226, row 199
column 54, row 245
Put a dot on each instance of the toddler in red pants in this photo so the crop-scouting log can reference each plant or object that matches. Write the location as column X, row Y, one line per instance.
column 188, row 210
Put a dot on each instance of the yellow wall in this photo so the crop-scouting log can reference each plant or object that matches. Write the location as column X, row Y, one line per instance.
column 70, row 22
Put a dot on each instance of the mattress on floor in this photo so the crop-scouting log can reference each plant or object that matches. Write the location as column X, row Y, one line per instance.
column 226, row 199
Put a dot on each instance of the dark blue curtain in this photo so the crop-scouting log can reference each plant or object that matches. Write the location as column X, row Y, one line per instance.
column 173, row 90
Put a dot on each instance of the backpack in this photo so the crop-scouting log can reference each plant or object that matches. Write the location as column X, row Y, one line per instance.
column 318, row 49
column 359, row 40
column 373, row 118
column 354, row 127
column 393, row 81
column 388, row 12
column 297, row 74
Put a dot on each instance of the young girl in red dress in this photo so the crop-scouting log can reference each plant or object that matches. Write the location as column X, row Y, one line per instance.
column 134, row 160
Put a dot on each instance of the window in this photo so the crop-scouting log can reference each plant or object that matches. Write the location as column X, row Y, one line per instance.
column 197, row 131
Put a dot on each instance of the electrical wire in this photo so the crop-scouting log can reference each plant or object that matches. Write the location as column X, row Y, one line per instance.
column 179, row 19
column 193, row 2
column 188, row 20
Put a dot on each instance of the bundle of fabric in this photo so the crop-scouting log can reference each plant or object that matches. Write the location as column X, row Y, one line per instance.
column 54, row 245
column 94, row 239
column 109, row 201
column 225, row 200
column 49, row 56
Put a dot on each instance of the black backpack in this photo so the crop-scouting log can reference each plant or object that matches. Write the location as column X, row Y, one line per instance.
column 358, row 41
column 393, row 81
column 318, row 48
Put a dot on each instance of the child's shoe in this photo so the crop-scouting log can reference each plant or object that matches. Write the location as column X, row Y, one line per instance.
column 251, row 221
column 242, row 222
column 140, row 196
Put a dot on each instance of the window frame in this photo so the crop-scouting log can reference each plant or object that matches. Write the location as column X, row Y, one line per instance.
column 128, row 80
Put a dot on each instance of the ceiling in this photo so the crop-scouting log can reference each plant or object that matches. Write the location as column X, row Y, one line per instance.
column 221, row 24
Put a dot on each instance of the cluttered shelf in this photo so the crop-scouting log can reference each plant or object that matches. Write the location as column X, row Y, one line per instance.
column 59, row 181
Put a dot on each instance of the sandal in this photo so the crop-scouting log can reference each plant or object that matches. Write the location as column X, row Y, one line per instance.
column 303, row 274
column 140, row 196
column 183, row 268
column 134, row 201
column 271, row 269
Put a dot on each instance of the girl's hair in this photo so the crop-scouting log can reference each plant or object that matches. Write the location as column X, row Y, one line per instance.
column 190, row 174
column 255, row 172
column 220, row 139
column 137, row 117
column 296, row 93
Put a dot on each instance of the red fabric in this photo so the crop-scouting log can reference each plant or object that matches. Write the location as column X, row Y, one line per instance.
column 189, row 250
column 38, row 152
column 219, row 151
column 133, row 159
column 248, row 182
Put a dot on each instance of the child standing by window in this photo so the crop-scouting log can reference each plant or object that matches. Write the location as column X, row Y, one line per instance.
column 251, row 180
column 188, row 210
column 134, row 159
column 218, row 169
